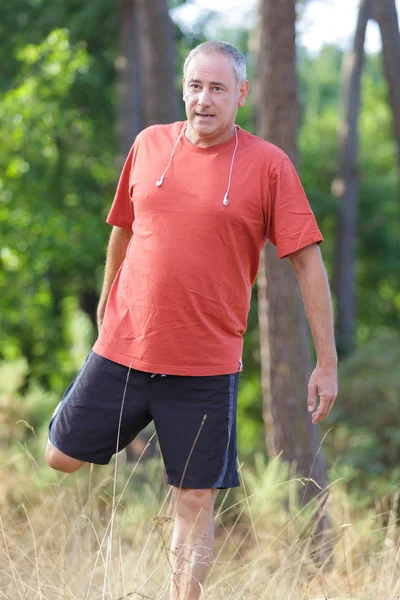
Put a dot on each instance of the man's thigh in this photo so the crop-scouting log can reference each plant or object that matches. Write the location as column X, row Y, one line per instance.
column 195, row 419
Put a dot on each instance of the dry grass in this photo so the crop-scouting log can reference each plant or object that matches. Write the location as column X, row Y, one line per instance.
column 104, row 534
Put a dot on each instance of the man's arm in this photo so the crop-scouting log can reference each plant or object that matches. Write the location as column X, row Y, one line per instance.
column 116, row 251
column 314, row 286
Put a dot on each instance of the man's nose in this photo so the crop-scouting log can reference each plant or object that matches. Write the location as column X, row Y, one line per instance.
column 204, row 98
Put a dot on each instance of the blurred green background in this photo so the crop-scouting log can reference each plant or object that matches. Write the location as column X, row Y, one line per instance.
column 58, row 172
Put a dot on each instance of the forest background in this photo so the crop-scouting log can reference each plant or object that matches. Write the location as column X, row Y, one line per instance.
column 59, row 164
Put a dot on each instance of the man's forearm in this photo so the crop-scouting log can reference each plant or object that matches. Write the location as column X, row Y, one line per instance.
column 116, row 252
column 316, row 296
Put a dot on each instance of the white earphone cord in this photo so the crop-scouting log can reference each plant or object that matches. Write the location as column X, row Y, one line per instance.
column 160, row 181
column 225, row 201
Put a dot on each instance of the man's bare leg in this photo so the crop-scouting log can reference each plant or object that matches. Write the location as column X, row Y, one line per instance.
column 192, row 541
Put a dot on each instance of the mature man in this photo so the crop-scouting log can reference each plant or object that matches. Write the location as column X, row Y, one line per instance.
column 195, row 204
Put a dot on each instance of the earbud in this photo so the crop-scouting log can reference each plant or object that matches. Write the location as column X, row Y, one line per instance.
column 160, row 181
column 225, row 201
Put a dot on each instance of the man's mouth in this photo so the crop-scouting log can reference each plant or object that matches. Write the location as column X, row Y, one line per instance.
column 203, row 115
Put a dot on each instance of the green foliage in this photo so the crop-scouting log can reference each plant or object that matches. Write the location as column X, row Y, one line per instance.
column 364, row 443
column 22, row 411
column 378, row 256
column 379, row 224
column 250, row 426
column 57, row 178
column 319, row 81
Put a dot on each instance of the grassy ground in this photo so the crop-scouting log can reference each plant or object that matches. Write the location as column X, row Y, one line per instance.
column 104, row 534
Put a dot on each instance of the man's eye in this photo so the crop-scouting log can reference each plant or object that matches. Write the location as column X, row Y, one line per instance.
column 194, row 86
column 217, row 89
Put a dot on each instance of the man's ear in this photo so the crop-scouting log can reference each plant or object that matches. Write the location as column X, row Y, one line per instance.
column 183, row 88
column 244, row 90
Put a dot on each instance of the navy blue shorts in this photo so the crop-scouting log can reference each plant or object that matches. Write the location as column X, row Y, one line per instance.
column 194, row 417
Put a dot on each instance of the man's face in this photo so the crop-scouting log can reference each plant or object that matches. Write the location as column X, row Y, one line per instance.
column 212, row 96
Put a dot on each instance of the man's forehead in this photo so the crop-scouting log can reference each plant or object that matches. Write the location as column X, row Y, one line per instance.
column 212, row 67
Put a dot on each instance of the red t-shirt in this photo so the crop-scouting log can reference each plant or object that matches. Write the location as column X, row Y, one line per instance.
column 180, row 301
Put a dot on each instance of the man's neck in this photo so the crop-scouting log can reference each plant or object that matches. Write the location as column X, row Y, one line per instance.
column 204, row 141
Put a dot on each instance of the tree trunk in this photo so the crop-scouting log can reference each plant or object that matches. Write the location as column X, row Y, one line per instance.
column 128, row 112
column 285, row 343
column 345, row 187
column 160, row 101
column 384, row 11
column 129, row 121
column 147, row 96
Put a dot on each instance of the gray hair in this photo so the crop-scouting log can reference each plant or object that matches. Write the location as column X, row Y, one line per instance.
column 237, row 59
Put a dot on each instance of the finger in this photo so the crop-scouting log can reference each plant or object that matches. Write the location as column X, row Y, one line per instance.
column 325, row 405
column 321, row 411
column 312, row 397
column 318, row 416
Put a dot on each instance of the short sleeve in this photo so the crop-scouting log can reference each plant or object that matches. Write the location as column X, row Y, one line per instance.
column 121, row 213
column 291, row 224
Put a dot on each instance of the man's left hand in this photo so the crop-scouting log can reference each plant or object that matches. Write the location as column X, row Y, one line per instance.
column 323, row 382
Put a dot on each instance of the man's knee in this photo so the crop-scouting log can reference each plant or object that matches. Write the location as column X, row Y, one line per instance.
column 61, row 462
column 190, row 502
